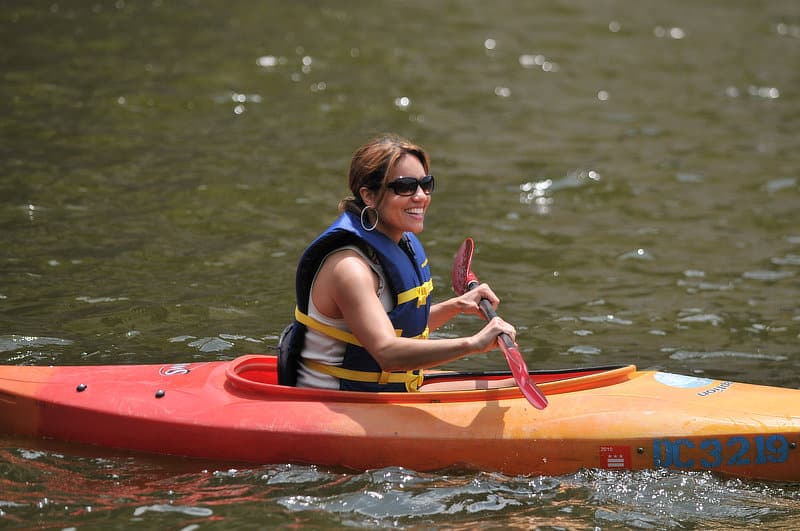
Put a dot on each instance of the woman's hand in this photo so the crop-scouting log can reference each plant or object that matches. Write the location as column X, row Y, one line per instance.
column 486, row 339
column 469, row 302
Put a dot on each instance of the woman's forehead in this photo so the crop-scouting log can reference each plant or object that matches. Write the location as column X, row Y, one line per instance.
column 408, row 165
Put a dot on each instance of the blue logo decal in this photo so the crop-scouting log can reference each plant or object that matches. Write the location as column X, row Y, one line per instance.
column 679, row 380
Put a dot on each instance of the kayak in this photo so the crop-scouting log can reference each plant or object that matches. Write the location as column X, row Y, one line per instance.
column 616, row 418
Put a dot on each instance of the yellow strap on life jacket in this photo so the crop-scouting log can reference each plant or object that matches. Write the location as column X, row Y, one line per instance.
column 339, row 334
column 328, row 330
column 420, row 293
column 412, row 381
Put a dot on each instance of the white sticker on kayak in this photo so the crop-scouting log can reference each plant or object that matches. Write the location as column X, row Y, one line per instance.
column 173, row 370
column 679, row 380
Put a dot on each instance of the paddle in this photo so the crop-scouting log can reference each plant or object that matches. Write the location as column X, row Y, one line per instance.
column 464, row 280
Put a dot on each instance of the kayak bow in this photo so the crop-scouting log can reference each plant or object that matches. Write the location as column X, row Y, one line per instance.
column 614, row 418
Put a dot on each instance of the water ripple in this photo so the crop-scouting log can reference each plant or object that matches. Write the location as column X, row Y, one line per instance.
column 608, row 318
column 704, row 286
column 539, row 193
column 585, row 349
column 97, row 300
column 693, row 355
column 14, row 342
column 777, row 185
column 162, row 508
column 767, row 275
column 789, row 259
column 658, row 499
column 637, row 254
column 396, row 493
column 650, row 499
column 219, row 343
column 211, row 344
column 712, row 318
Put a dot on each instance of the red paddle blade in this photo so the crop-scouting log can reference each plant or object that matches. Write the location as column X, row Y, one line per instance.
column 462, row 274
column 520, row 373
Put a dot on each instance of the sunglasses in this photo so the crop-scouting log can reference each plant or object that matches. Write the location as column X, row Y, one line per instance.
column 408, row 185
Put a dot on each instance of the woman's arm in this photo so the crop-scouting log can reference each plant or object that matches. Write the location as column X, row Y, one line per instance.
column 345, row 288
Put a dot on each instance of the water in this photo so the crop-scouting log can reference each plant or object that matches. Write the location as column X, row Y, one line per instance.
column 629, row 172
column 58, row 490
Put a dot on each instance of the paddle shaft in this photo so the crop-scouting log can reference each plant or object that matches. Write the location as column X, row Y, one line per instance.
column 515, row 362
column 490, row 314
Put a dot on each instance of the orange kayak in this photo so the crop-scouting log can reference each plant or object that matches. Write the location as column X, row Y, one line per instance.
column 613, row 418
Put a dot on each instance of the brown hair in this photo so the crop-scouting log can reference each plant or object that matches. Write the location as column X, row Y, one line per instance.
column 372, row 163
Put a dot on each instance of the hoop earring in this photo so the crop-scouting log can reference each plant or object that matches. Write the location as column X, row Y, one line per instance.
column 364, row 225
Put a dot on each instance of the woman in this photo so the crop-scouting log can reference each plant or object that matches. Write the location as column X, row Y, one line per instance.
column 363, row 287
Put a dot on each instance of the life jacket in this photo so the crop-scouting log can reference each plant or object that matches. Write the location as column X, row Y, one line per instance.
column 409, row 280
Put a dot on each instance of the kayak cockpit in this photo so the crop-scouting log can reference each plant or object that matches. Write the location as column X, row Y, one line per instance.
column 258, row 374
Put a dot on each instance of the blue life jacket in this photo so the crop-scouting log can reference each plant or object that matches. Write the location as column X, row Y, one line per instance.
column 408, row 275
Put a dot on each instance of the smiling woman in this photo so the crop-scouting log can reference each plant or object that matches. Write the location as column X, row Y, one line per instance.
column 363, row 287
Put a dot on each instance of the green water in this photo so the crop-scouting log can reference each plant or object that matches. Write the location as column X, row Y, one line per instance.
column 630, row 172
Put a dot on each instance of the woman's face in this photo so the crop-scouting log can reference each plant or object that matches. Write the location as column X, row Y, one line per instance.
column 398, row 214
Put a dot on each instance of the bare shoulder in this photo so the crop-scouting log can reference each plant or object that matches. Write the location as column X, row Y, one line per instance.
column 345, row 264
column 344, row 278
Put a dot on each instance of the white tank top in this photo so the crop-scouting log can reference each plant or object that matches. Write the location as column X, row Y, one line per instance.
column 325, row 349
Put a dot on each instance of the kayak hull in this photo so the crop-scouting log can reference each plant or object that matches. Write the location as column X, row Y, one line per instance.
column 617, row 418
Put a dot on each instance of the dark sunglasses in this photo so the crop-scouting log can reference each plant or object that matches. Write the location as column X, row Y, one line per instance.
column 408, row 185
